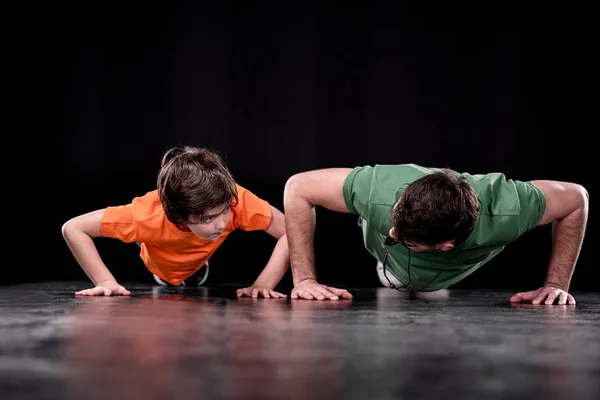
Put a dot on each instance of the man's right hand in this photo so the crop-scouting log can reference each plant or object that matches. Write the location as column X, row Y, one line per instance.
column 310, row 289
column 106, row 288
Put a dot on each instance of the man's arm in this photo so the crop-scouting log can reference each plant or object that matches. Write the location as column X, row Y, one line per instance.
column 278, row 262
column 79, row 232
column 302, row 193
column 567, row 207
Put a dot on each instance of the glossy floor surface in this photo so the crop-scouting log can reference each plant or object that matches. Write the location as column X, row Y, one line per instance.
column 203, row 343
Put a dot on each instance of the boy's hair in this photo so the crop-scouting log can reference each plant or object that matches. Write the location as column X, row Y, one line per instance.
column 435, row 208
column 192, row 181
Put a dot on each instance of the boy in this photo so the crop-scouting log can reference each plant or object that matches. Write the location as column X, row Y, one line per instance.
column 179, row 226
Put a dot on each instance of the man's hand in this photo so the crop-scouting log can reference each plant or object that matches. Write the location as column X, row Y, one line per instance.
column 310, row 289
column 253, row 291
column 106, row 288
column 544, row 295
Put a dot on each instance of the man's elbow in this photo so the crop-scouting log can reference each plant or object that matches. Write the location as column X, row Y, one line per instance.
column 293, row 186
column 582, row 195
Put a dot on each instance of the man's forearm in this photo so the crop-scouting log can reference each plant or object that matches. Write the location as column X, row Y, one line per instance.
column 276, row 267
column 567, row 239
column 300, row 227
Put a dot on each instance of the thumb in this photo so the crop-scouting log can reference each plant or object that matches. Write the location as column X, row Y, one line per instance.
column 519, row 297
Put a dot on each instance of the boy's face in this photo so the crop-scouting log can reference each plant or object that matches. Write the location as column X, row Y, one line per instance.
column 212, row 225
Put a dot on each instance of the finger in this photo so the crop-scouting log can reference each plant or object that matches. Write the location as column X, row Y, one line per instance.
column 563, row 298
column 571, row 299
column 279, row 294
column 91, row 292
column 254, row 293
column 294, row 294
column 552, row 296
column 239, row 293
column 265, row 293
column 343, row 293
column 520, row 297
column 324, row 293
column 107, row 292
column 305, row 294
column 541, row 295
column 517, row 298
column 273, row 294
column 123, row 292
column 316, row 294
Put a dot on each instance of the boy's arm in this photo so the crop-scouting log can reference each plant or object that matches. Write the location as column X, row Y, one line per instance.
column 302, row 193
column 278, row 262
column 567, row 207
column 79, row 232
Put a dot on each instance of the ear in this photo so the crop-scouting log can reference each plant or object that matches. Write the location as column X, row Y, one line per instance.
column 392, row 234
column 447, row 245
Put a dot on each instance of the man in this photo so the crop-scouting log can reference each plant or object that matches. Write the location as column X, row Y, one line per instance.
column 432, row 227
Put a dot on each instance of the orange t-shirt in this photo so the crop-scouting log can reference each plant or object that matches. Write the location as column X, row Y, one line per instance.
column 168, row 252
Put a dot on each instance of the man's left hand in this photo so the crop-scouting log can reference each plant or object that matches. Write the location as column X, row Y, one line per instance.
column 544, row 295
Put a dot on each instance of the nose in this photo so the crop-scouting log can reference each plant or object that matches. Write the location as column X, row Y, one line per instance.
column 221, row 222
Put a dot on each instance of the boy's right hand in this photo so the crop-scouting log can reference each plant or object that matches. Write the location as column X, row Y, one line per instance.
column 106, row 288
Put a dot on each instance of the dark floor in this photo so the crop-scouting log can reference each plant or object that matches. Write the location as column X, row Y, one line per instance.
column 202, row 343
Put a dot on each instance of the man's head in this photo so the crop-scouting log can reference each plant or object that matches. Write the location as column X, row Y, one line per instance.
column 434, row 212
column 196, row 189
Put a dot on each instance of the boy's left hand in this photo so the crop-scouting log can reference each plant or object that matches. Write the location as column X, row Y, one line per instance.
column 254, row 291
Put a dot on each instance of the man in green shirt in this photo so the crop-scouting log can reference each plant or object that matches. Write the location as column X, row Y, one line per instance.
column 432, row 227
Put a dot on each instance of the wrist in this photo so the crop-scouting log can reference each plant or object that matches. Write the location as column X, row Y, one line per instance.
column 555, row 284
column 313, row 280
column 262, row 285
column 105, row 281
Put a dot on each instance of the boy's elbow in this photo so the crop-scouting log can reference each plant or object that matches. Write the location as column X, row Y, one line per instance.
column 66, row 228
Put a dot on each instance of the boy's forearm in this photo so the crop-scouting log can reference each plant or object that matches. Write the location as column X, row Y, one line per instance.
column 84, row 250
column 277, row 266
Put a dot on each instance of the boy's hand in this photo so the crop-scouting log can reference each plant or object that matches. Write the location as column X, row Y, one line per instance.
column 254, row 291
column 106, row 288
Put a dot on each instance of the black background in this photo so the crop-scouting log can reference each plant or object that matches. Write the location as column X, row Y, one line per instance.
column 280, row 89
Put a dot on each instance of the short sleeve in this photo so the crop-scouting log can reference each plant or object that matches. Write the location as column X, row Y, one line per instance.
column 357, row 189
column 251, row 212
column 118, row 223
column 532, row 206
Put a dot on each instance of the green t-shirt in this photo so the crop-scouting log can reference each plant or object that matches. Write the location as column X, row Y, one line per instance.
column 507, row 209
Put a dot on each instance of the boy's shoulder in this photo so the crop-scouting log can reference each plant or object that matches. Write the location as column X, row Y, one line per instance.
column 148, row 207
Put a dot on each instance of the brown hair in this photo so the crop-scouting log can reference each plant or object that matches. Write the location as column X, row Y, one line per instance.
column 192, row 181
column 438, row 207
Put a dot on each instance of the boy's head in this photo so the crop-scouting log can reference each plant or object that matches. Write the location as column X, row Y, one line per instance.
column 434, row 212
column 196, row 188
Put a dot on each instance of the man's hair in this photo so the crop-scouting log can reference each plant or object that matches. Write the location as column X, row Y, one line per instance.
column 438, row 207
column 192, row 181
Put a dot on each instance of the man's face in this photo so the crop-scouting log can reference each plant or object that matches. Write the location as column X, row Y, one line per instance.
column 424, row 248
column 212, row 225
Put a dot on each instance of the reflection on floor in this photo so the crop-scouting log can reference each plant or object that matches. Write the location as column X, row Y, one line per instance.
column 203, row 343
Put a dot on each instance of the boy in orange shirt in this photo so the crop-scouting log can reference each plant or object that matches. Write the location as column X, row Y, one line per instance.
column 180, row 225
